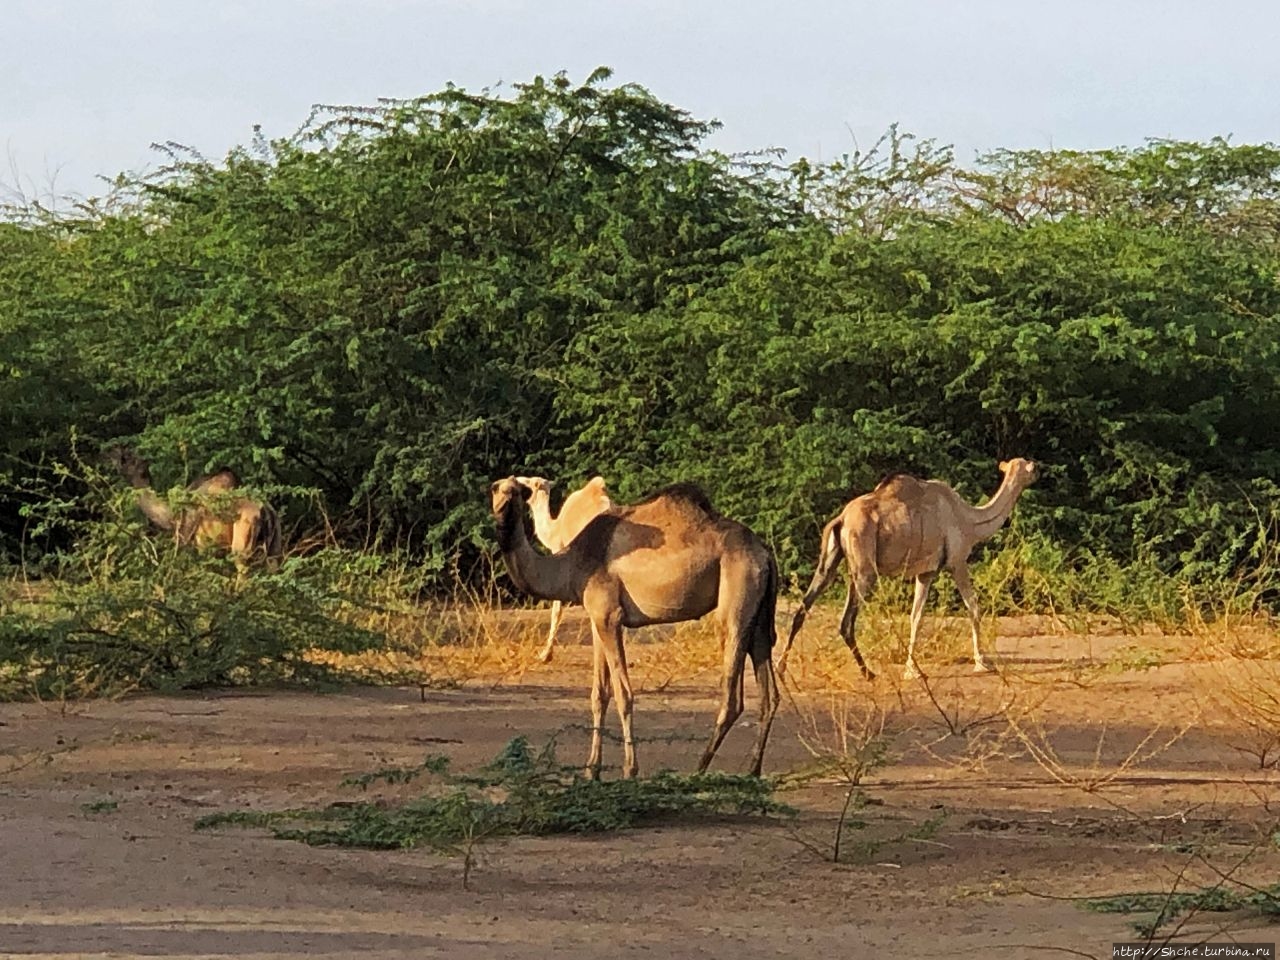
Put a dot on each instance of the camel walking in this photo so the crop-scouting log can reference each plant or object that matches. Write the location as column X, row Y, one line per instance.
column 244, row 527
column 555, row 533
column 666, row 559
column 909, row 528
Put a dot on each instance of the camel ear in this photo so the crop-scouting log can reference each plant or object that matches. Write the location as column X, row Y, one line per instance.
column 1004, row 466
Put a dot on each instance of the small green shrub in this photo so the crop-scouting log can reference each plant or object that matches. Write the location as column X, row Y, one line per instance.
column 129, row 609
column 520, row 792
column 1163, row 908
column 190, row 622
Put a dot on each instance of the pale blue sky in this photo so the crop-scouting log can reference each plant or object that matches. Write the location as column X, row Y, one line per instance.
column 87, row 85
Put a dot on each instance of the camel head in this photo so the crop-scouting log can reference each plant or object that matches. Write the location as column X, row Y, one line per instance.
column 502, row 493
column 135, row 469
column 1019, row 472
column 538, row 486
column 507, row 498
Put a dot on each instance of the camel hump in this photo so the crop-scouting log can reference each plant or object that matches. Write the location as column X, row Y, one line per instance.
column 221, row 480
column 595, row 484
column 686, row 494
column 893, row 478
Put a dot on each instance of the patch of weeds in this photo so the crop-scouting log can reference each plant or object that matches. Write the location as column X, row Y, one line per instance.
column 1164, row 908
column 1132, row 658
column 101, row 806
column 253, row 818
column 866, row 849
column 521, row 792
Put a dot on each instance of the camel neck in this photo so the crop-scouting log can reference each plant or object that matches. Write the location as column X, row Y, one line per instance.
column 540, row 508
column 153, row 508
column 991, row 516
column 542, row 576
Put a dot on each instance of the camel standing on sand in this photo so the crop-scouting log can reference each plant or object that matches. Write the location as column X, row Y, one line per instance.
column 909, row 528
column 555, row 533
column 666, row 559
column 239, row 525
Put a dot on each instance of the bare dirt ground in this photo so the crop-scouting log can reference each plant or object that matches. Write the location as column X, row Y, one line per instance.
column 1041, row 795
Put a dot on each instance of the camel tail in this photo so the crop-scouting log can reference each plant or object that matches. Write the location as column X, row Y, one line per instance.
column 828, row 563
column 764, row 624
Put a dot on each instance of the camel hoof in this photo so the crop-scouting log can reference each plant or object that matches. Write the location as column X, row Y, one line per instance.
column 983, row 666
column 630, row 773
column 912, row 672
column 591, row 773
column 545, row 654
column 781, row 669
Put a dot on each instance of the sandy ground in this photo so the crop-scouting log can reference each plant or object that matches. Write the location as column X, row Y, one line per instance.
column 1055, row 806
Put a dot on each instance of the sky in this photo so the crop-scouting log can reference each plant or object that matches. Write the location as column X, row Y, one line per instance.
column 86, row 86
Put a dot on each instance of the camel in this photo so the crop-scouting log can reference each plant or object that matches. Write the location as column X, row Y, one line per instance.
column 555, row 533
column 666, row 559
column 239, row 525
column 909, row 528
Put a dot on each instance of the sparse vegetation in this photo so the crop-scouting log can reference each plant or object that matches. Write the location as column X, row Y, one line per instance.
column 1159, row 910
column 105, row 805
column 522, row 791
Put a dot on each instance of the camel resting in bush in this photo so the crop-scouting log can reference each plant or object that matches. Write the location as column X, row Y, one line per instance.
column 241, row 526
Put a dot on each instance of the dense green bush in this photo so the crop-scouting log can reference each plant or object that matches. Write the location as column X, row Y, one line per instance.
column 380, row 314
column 132, row 611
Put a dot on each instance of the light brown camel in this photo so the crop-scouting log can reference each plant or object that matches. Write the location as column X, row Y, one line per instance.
column 666, row 559
column 909, row 528
column 244, row 527
column 555, row 533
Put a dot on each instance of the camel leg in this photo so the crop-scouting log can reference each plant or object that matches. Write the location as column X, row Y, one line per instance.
column 735, row 658
column 599, row 701
column 828, row 564
column 923, row 582
column 965, row 586
column 767, row 684
column 861, row 583
column 615, row 654
column 548, row 649
column 242, row 530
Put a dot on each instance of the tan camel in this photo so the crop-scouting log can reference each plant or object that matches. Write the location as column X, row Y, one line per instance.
column 665, row 559
column 555, row 533
column 909, row 528
column 244, row 527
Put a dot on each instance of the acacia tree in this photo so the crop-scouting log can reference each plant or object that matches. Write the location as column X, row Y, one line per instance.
column 401, row 302
column 378, row 307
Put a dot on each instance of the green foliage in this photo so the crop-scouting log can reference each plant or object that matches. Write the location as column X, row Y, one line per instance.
column 520, row 792
column 101, row 806
column 191, row 624
column 131, row 612
column 375, row 317
column 1164, row 908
